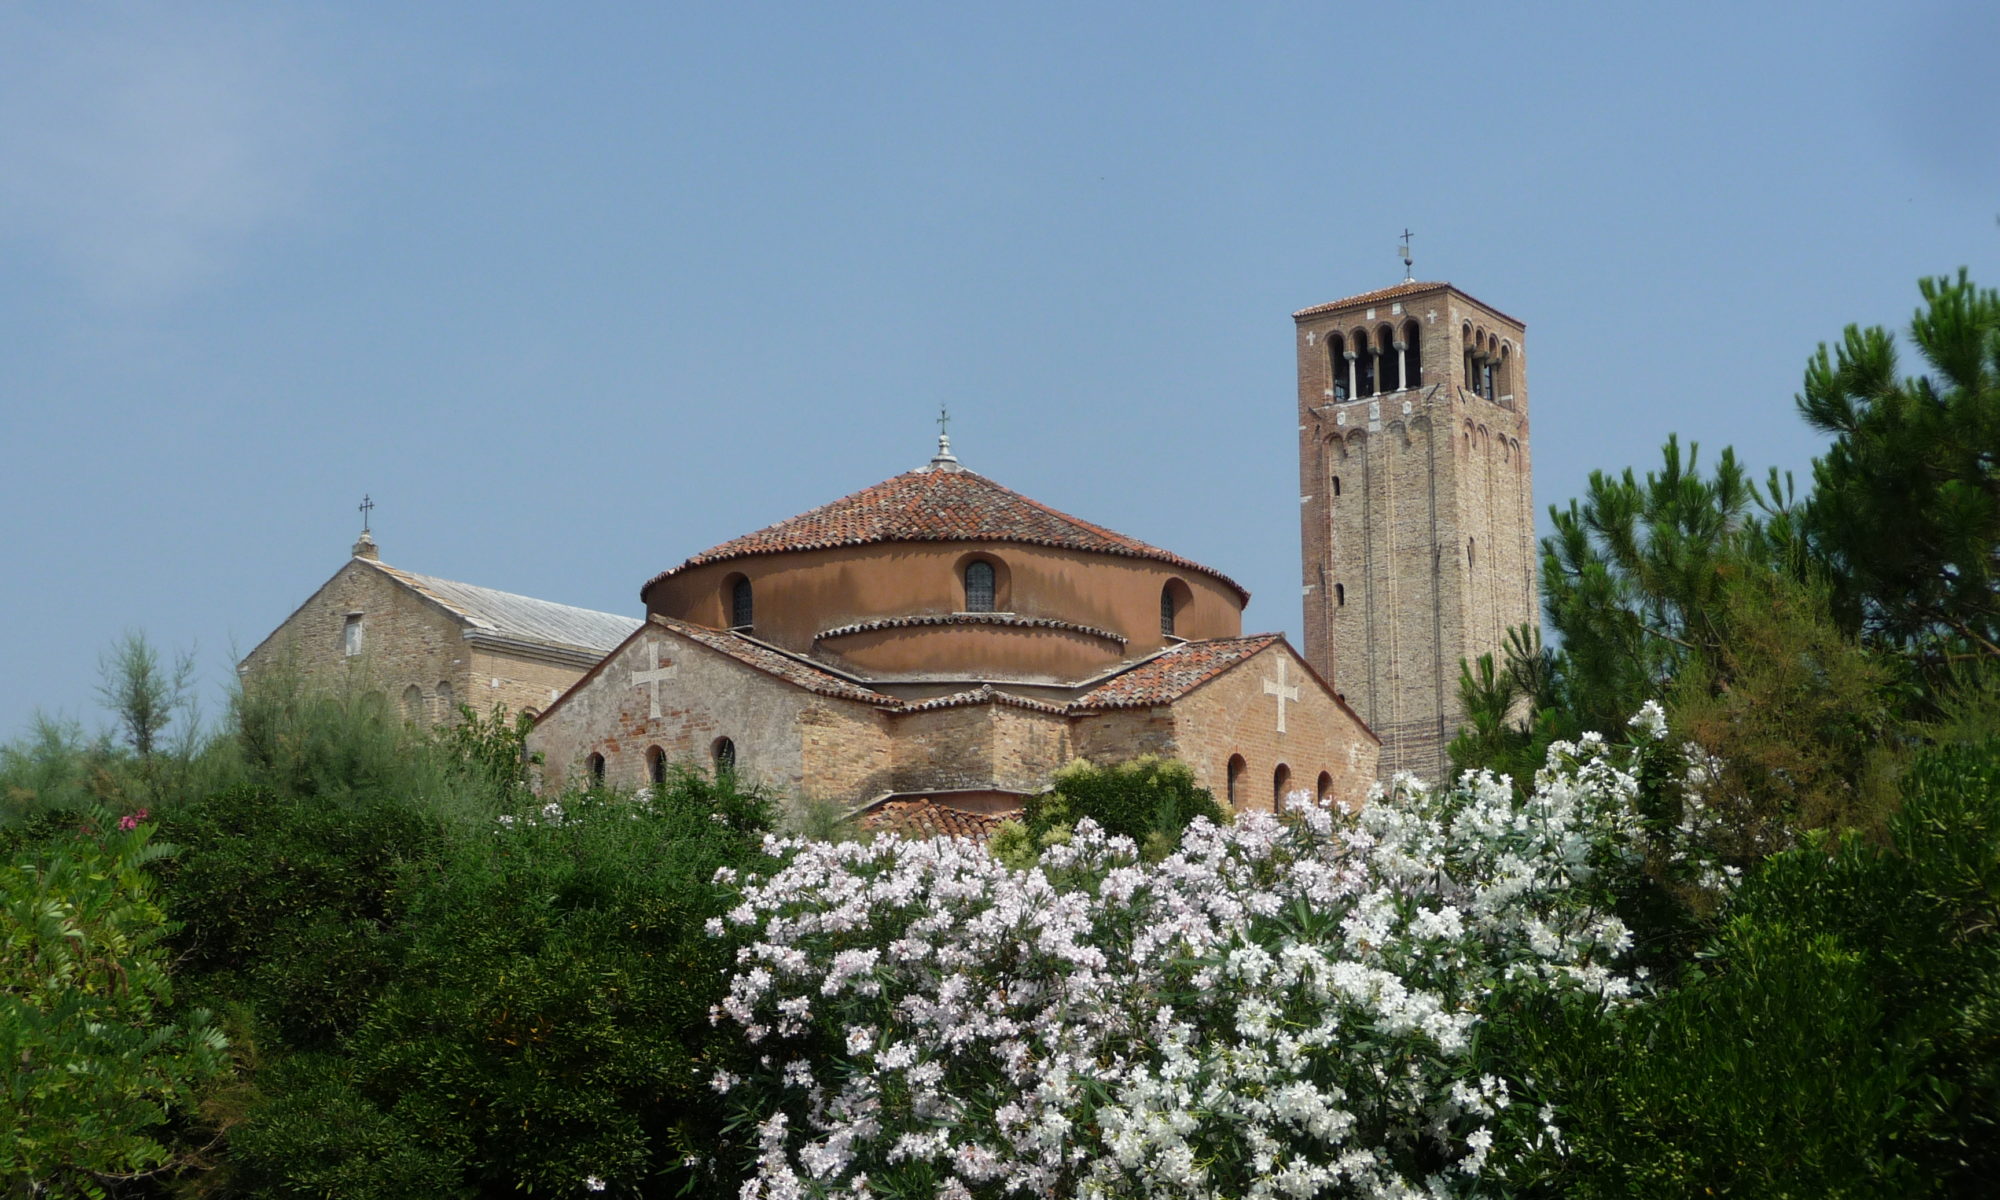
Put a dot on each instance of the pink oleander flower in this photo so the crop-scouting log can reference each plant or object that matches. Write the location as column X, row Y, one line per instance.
column 130, row 821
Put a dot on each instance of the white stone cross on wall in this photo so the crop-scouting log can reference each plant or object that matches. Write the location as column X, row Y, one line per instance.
column 654, row 677
column 1277, row 688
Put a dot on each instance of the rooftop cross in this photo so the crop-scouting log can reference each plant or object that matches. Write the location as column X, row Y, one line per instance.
column 1407, row 260
column 366, row 506
column 944, row 457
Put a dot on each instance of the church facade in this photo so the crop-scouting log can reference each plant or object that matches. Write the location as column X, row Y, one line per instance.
column 939, row 637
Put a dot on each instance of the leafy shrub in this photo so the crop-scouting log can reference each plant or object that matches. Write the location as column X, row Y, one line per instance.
column 548, row 1018
column 1148, row 799
column 97, row 1062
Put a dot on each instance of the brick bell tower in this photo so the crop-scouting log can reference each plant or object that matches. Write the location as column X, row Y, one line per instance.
column 1416, row 504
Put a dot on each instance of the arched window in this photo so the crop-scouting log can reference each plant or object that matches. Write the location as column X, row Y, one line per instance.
column 1235, row 775
column 1175, row 597
column 1388, row 377
column 742, row 606
column 1413, row 355
column 1336, row 360
column 1281, row 779
column 1364, row 364
column 447, row 703
column 978, row 586
column 413, row 704
column 1500, row 373
column 656, row 765
column 1340, row 595
column 1336, row 485
column 1323, row 790
column 724, row 754
column 595, row 765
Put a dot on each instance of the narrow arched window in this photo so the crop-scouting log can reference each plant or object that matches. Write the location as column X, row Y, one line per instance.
column 1413, row 355
column 447, row 703
column 413, row 704
column 979, row 587
column 1339, row 595
column 1323, row 790
column 1365, row 364
column 656, row 765
column 1336, row 485
column 595, row 765
column 1336, row 358
column 1281, row 779
column 1235, row 776
column 742, row 606
column 724, row 754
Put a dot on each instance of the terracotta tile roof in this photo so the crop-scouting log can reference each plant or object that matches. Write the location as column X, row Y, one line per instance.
column 1379, row 294
column 518, row 618
column 985, row 693
column 1010, row 620
column 933, row 504
column 774, row 662
column 1167, row 677
column 1398, row 292
column 921, row 816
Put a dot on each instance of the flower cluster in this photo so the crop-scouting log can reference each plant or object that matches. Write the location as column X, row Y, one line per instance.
column 1283, row 1007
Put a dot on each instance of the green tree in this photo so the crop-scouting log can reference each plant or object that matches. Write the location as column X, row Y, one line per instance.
column 144, row 693
column 1149, row 799
column 1906, row 502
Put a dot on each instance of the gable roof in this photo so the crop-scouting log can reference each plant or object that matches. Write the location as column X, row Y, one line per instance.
column 936, row 504
column 923, row 816
column 1171, row 674
column 506, row 617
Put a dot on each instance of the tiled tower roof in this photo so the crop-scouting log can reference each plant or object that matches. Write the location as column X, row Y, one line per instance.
column 936, row 504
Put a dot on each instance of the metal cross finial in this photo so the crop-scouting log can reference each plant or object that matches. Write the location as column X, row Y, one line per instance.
column 944, row 420
column 1407, row 276
column 367, row 506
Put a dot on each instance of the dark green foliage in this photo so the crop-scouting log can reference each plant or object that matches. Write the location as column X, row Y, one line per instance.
column 547, row 1018
column 1149, row 798
column 292, row 902
column 1839, row 1037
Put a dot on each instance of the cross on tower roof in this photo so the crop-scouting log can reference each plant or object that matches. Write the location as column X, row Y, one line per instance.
column 366, row 506
column 1408, row 276
column 944, row 456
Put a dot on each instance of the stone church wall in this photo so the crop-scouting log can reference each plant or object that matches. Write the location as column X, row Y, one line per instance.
column 406, row 642
column 978, row 746
column 522, row 683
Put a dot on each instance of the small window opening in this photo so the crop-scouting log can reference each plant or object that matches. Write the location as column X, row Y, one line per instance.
column 351, row 635
column 1235, row 776
column 979, row 587
column 1470, row 551
column 1167, row 610
column 742, row 605
column 656, row 765
column 595, row 764
column 1323, row 790
column 1336, row 485
column 725, row 758
column 413, row 704
column 1340, row 595
column 1281, row 779
column 447, row 703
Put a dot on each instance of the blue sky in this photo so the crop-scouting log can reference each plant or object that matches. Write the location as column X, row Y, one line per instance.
column 576, row 291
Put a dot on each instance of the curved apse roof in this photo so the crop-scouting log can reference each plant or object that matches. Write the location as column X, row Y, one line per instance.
column 936, row 504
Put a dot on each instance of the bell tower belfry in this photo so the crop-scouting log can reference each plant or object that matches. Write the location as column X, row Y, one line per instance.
column 1416, row 504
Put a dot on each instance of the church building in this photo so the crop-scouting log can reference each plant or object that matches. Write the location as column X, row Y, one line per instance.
column 938, row 641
